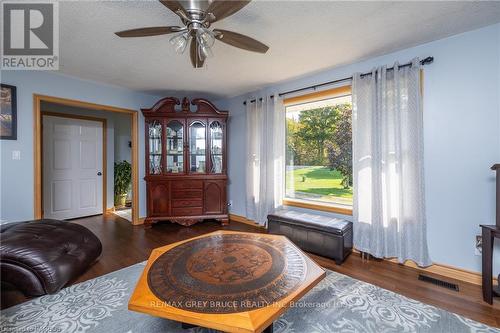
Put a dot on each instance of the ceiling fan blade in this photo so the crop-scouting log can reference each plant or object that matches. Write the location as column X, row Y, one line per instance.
column 174, row 6
column 196, row 59
column 223, row 8
column 144, row 32
column 240, row 41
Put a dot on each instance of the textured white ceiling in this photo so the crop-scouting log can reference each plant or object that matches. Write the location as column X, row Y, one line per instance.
column 304, row 37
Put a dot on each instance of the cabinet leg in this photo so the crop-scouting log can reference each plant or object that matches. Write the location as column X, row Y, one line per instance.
column 224, row 222
column 269, row 329
column 148, row 223
column 187, row 326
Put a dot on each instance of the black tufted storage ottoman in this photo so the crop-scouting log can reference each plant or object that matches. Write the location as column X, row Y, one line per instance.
column 327, row 236
column 40, row 257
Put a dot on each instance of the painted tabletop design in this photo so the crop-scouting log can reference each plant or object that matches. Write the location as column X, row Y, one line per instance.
column 227, row 273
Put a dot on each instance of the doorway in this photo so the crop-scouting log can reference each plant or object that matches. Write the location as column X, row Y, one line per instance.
column 74, row 154
column 39, row 205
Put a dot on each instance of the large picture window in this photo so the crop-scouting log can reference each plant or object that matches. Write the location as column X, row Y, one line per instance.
column 319, row 150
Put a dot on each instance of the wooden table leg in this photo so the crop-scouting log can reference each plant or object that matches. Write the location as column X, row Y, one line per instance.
column 188, row 326
column 269, row 329
column 487, row 253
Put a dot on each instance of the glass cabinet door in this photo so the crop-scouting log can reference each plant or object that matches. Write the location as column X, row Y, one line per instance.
column 175, row 147
column 197, row 147
column 216, row 147
column 155, row 148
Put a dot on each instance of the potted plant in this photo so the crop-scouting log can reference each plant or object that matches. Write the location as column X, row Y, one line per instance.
column 123, row 179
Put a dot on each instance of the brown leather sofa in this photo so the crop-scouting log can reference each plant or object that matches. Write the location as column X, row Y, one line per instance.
column 42, row 256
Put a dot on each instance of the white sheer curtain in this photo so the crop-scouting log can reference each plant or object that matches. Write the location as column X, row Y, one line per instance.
column 265, row 157
column 388, row 168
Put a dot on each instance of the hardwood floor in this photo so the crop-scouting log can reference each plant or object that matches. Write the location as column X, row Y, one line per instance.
column 125, row 245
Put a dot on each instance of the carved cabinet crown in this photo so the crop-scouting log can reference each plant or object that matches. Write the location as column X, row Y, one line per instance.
column 171, row 105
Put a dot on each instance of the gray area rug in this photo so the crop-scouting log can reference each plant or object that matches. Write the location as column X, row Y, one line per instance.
column 337, row 304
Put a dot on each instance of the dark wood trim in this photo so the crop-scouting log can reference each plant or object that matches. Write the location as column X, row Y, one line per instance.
column 489, row 233
column 164, row 105
column 496, row 167
column 205, row 106
column 188, row 177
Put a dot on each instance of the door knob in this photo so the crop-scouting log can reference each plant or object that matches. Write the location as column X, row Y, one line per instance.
column 99, row 173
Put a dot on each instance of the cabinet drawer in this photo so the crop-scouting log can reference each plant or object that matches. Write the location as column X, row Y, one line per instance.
column 187, row 184
column 179, row 203
column 187, row 194
column 188, row 211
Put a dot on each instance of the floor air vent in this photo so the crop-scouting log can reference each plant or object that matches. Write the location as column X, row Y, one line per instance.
column 438, row 282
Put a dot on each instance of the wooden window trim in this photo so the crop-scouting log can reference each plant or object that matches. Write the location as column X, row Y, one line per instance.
column 314, row 97
column 319, row 95
column 331, row 208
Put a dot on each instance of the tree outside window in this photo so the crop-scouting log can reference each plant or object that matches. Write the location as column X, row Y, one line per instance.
column 319, row 151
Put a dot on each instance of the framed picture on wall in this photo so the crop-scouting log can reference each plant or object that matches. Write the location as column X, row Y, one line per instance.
column 8, row 112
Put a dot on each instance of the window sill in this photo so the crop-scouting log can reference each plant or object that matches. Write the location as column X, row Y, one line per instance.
column 317, row 206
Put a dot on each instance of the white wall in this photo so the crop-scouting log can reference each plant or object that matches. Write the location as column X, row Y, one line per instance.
column 16, row 176
column 462, row 138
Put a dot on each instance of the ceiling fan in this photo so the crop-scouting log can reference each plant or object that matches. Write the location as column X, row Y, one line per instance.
column 197, row 17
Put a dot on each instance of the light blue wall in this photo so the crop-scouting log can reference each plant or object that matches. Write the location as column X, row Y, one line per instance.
column 123, row 130
column 462, row 137
column 16, row 176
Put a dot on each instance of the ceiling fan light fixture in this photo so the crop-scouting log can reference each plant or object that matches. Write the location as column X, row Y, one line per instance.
column 205, row 37
column 206, row 40
column 205, row 51
column 197, row 17
column 180, row 42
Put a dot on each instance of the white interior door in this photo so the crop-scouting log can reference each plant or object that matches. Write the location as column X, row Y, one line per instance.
column 72, row 167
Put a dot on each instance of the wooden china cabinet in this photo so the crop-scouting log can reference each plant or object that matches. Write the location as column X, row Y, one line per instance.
column 186, row 162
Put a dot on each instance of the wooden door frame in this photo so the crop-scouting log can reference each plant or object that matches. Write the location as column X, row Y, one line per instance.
column 104, row 168
column 37, row 148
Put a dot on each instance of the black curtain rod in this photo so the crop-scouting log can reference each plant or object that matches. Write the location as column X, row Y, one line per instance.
column 425, row 61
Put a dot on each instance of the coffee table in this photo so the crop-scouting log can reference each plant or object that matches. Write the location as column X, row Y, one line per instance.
column 226, row 280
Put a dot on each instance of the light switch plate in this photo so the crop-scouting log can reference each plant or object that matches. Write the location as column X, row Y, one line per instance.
column 16, row 154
